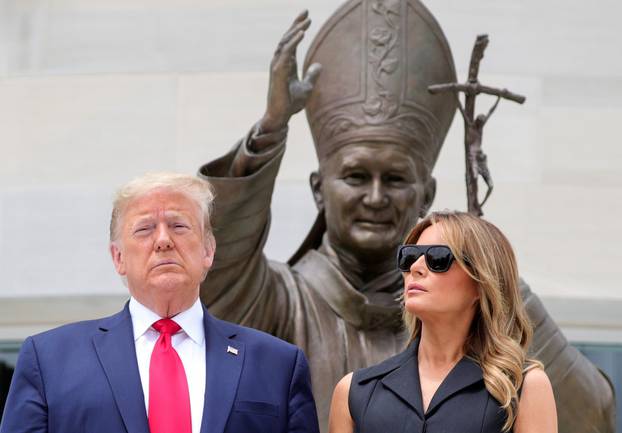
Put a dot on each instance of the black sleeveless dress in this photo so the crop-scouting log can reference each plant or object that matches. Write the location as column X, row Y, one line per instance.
column 386, row 398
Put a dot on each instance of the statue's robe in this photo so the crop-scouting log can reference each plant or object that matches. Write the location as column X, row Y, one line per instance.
column 340, row 327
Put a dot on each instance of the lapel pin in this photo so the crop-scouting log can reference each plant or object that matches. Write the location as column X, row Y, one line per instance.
column 232, row 350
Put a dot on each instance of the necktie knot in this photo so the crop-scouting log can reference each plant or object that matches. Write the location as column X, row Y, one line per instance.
column 166, row 326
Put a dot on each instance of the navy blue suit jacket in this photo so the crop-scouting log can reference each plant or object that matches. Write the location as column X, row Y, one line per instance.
column 83, row 377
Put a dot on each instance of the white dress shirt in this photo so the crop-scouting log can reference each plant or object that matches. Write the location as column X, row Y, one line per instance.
column 189, row 342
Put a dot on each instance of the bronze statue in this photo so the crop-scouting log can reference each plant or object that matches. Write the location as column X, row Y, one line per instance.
column 476, row 160
column 377, row 133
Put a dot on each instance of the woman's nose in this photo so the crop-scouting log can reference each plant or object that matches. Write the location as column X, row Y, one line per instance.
column 419, row 266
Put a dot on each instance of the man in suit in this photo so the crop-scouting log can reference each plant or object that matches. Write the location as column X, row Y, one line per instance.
column 163, row 364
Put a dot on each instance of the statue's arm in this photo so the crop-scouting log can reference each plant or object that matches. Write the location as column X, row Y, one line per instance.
column 241, row 286
column 287, row 95
column 491, row 110
column 583, row 394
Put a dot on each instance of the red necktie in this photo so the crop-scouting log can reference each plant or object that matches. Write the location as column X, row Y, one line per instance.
column 169, row 399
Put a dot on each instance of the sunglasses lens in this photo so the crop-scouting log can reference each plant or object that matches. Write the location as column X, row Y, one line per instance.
column 439, row 258
column 407, row 256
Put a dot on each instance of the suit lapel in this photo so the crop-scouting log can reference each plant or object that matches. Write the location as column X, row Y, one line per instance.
column 224, row 359
column 115, row 348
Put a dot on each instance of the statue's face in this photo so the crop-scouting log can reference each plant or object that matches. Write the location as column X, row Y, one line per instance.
column 372, row 194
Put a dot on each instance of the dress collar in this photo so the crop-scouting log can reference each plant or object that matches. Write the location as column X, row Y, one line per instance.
column 400, row 374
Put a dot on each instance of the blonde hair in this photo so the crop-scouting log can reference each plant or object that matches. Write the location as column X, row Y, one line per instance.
column 501, row 331
column 197, row 189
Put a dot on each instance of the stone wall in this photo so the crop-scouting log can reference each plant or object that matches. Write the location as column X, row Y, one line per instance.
column 95, row 93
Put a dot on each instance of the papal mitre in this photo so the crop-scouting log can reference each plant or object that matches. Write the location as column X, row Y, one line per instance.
column 378, row 59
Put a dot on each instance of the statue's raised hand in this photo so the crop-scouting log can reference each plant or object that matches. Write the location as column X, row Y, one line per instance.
column 287, row 94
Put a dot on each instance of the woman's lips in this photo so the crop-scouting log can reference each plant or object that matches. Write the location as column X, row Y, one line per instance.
column 415, row 288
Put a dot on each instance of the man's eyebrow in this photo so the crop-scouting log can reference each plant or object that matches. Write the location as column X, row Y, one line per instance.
column 172, row 214
column 142, row 219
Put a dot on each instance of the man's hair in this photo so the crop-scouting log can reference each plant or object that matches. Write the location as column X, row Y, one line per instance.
column 197, row 190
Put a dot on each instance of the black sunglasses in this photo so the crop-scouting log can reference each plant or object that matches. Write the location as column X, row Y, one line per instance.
column 438, row 258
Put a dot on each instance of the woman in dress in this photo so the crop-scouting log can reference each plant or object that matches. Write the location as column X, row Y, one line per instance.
column 465, row 369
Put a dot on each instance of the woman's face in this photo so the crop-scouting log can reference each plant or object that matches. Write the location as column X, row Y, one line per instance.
column 432, row 296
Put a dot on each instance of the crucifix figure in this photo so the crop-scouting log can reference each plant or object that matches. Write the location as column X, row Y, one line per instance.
column 476, row 161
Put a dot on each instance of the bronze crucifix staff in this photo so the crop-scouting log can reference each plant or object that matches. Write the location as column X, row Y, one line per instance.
column 476, row 161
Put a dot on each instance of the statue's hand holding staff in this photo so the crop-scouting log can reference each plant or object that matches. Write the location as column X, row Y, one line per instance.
column 287, row 94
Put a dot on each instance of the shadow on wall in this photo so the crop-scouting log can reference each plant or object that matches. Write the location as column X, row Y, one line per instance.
column 6, row 373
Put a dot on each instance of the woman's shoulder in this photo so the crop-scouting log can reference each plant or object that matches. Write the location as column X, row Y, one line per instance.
column 343, row 386
column 536, row 407
column 535, row 380
column 383, row 368
column 340, row 419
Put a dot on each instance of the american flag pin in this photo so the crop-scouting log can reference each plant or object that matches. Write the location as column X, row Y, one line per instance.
column 232, row 350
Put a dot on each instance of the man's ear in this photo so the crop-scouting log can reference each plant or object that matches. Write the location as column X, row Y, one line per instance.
column 210, row 250
column 117, row 258
column 315, row 180
column 428, row 198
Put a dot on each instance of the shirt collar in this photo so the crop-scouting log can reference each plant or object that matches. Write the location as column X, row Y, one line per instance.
column 190, row 320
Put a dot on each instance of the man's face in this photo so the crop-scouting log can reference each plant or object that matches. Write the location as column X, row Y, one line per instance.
column 372, row 194
column 162, row 250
